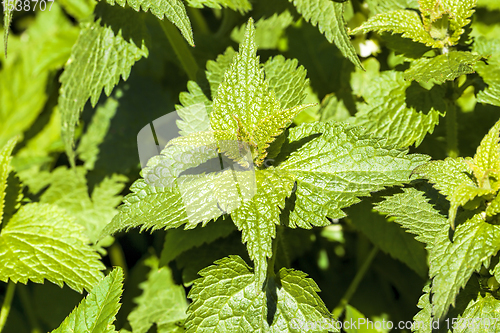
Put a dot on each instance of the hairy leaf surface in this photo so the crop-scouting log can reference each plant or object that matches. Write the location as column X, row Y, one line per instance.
column 329, row 17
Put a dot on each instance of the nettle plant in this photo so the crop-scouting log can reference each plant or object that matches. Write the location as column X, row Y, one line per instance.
column 322, row 185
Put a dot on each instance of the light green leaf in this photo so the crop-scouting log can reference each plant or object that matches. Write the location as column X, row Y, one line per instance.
column 329, row 17
column 444, row 67
column 257, row 218
column 245, row 104
column 5, row 158
column 173, row 10
column 487, row 156
column 481, row 315
column 194, row 119
column 287, row 80
column 334, row 164
column 193, row 97
column 227, row 298
column 446, row 175
column 42, row 242
column 240, row 5
column 381, row 6
column 452, row 263
column 494, row 208
column 80, row 9
column 97, row 47
column 490, row 4
column 88, row 148
column 178, row 240
column 68, row 190
column 162, row 302
column 489, row 72
column 96, row 313
column 387, row 112
column 462, row 195
column 405, row 22
column 424, row 316
column 362, row 325
column 413, row 211
column 216, row 69
column 268, row 31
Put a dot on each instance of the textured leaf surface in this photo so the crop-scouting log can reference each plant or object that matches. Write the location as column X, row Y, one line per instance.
column 334, row 165
column 405, row 22
column 287, row 80
column 257, row 218
column 480, row 316
column 452, row 263
column 489, row 72
column 96, row 313
column 245, row 104
column 68, row 190
column 444, row 67
column 240, row 5
column 194, row 119
column 42, row 242
column 162, row 302
column 5, row 159
column 328, row 16
column 216, row 69
column 174, row 10
column 397, row 112
column 97, row 47
column 425, row 314
column 413, row 211
column 228, row 299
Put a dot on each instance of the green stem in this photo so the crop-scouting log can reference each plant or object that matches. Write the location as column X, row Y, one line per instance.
column 452, row 130
column 7, row 302
column 354, row 284
column 181, row 49
column 117, row 257
column 26, row 300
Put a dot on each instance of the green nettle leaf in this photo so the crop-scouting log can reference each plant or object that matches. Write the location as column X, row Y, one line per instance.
column 444, row 67
column 240, row 5
column 68, row 190
column 405, row 22
column 413, row 211
column 228, row 294
column 173, row 10
column 489, row 72
column 424, row 316
column 257, row 218
column 42, row 242
column 440, row 25
column 338, row 165
column 397, row 112
column 451, row 176
column 268, row 30
column 97, row 47
column 481, row 315
column 329, row 17
column 287, row 80
column 216, row 69
column 96, row 313
column 162, row 302
column 5, row 159
column 452, row 263
column 246, row 106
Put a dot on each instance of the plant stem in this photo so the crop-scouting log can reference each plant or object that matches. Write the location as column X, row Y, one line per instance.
column 26, row 300
column 117, row 257
column 7, row 302
column 354, row 284
column 452, row 130
column 181, row 49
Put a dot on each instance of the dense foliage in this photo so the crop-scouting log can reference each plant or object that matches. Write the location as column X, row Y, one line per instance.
column 371, row 129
